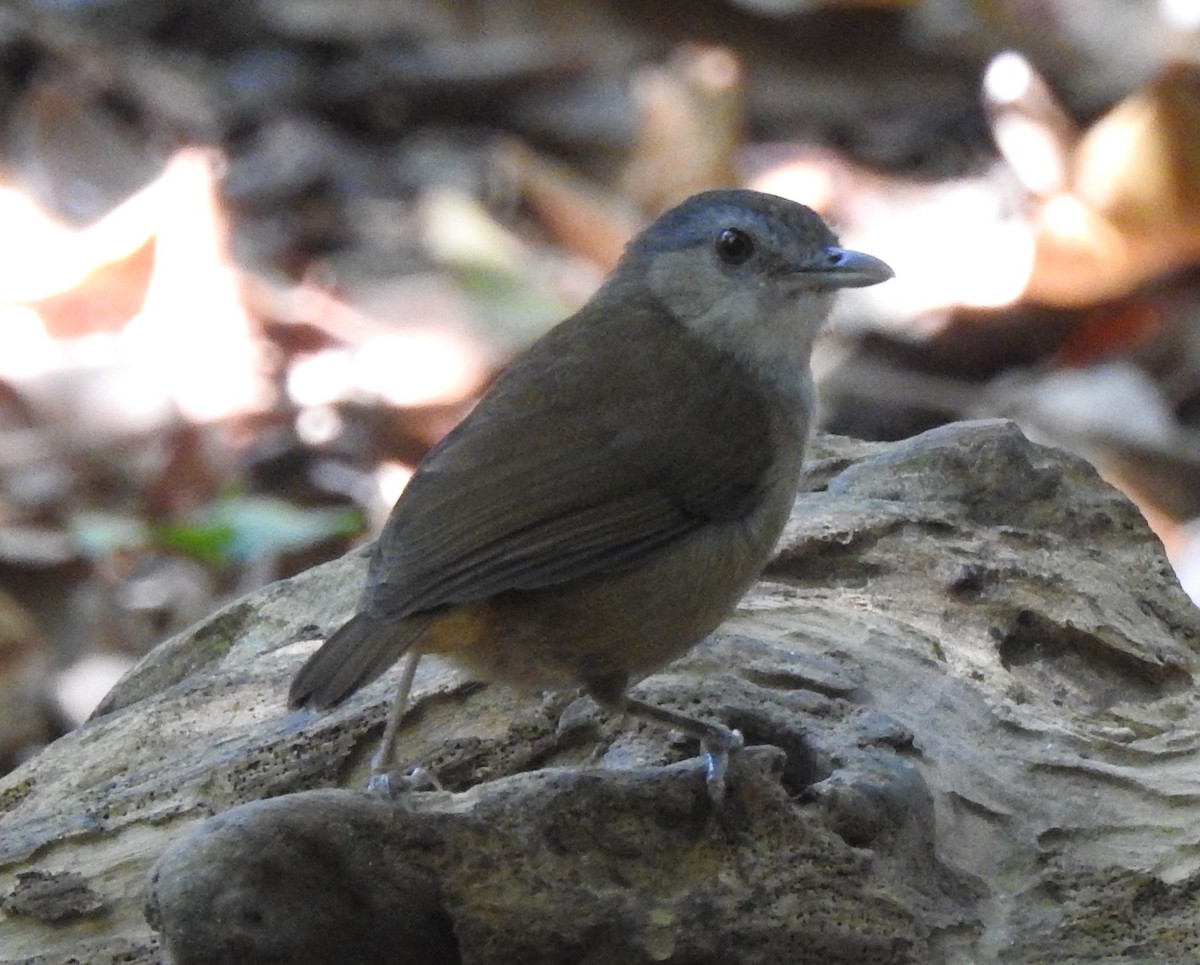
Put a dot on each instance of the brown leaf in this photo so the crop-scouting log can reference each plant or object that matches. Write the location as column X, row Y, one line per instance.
column 103, row 301
column 574, row 212
column 1132, row 209
column 691, row 122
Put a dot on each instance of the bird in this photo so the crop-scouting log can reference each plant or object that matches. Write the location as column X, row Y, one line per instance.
column 620, row 486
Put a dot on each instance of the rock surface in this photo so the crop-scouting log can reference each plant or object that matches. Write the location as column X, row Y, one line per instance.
column 966, row 680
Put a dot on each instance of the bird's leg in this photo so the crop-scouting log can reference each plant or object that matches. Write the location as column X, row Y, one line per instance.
column 716, row 740
column 384, row 761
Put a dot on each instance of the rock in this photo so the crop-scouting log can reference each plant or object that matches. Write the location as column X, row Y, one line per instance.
column 520, row 869
column 966, row 686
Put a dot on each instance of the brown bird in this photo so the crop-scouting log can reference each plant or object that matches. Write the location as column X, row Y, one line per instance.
column 621, row 485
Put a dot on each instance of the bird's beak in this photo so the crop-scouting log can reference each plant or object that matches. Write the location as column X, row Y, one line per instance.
column 843, row 268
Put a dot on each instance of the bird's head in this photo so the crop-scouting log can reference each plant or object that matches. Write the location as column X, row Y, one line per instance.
column 752, row 273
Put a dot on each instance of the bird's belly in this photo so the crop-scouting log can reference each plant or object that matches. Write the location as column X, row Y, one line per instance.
column 623, row 625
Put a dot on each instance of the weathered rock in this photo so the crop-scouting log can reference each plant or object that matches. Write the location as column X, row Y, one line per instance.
column 970, row 662
column 559, row 865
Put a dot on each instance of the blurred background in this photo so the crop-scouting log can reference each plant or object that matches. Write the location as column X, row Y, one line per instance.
column 257, row 257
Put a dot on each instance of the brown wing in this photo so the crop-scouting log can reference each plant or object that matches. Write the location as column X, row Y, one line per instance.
column 607, row 441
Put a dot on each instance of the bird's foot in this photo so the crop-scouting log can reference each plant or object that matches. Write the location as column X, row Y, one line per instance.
column 717, row 744
column 388, row 782
column 717, row 741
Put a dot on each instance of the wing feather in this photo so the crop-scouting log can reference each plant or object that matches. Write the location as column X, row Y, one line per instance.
column 575, row 464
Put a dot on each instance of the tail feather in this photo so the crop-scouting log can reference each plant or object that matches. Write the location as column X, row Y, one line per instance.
column 358, row 652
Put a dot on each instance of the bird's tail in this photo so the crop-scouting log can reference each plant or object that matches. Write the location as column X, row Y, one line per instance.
column 358, row 652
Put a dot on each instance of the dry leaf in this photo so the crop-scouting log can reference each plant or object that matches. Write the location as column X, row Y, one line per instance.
column 691, row 123
column 1131, row 211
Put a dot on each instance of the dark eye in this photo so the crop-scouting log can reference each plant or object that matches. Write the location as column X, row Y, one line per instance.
column 734, row 247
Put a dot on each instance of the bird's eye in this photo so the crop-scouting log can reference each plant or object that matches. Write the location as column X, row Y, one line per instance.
column 734, row 247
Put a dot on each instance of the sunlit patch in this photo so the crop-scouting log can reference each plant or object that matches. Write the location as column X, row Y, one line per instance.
column 321, row 378
column 1125, row 159
column 390, row 479
column 1180, row 14
column 806, row 181
column 417, row 367
column 1033, row 152
column 955, row 243
column 191, row 337
column 318, row 425
column 43, row 257
column 1183, row 548
column 1068, row 218
column 193, row 328
column 80, row 687
column 1007, row 78
column 26, row 348
column 951, row 244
